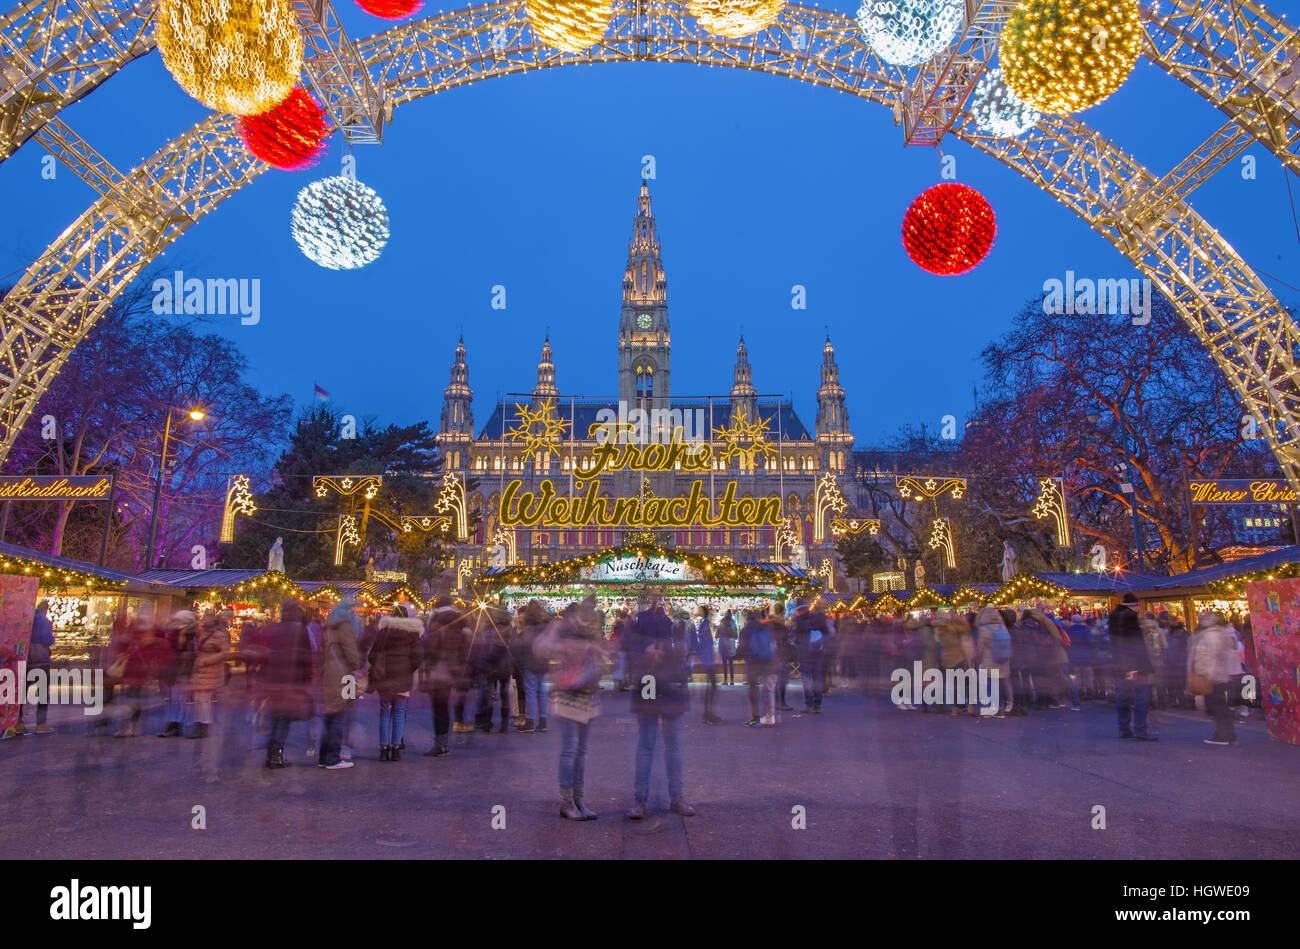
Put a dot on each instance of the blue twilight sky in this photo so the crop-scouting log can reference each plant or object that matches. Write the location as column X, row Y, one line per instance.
column 530, row 182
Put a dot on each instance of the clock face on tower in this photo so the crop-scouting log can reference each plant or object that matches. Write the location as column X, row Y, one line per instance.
column 644, row 320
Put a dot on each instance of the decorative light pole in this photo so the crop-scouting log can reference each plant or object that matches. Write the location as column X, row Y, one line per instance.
column 196, row 415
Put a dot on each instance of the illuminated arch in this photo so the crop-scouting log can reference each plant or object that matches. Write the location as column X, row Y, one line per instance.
column 1236, row 55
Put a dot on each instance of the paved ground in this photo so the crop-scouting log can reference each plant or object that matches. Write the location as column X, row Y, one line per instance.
column 874, row 782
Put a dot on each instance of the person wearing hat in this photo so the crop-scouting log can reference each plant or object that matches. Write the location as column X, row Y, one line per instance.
column 1132, row 670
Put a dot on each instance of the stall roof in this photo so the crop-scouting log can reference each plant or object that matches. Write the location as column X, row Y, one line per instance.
column 203, row 579
column 129, row 582
column 1195, row 580
column 1101, row 584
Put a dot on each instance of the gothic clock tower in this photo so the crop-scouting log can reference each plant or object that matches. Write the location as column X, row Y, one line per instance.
column 643, row 343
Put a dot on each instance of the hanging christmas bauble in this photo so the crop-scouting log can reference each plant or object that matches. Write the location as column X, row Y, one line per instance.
column 948, row 229
column 240, row 56
column 1066, row 55
column 735, row 18
column 998, row 110
column 390, row 9
column 909, row 32
column 569, row 25
column 339, row 223
column 290, row 136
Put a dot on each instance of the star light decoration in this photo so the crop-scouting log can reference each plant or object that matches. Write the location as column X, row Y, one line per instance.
column 451, row 500
column 339, row 223
column 735, row 18
column 539, row 428
column 949, row 229
column 827, row 499
column 921, row 489
column 997, row 110
column 347, row 485
column 941, row 539
column 239, row 500
column 849, row 526
column 785, row 536
column 240, row 56
column 1051, row 503
column 569, row 25
column 290, row 136
column 745, row 437
column 909, row 32
column 347, row 536
column 1067, row 55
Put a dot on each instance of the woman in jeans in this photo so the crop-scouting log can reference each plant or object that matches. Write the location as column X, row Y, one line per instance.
column 576, row 642
column 394, row 657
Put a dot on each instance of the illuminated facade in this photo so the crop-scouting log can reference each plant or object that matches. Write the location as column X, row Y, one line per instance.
column 758, row 443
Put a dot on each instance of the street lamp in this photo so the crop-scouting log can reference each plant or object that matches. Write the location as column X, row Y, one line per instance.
column 1125, row 487
column 196, row 414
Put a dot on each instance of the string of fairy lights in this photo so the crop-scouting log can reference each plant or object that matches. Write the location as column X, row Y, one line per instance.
column 246, row 56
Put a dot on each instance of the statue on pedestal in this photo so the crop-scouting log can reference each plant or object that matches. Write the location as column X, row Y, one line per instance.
column 500, row 556
column 919, row 574
column 1008, row 561
column 799, row 557
column 275, row 557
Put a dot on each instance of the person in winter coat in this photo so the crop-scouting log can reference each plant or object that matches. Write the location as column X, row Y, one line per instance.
column 1081, row 655
column 1212, row 656
column 1153, row 634
column 1132, row 669
column 756, row 648
column 38, row 657
column 489, row 666
column 993, row 652
column 705, row 650
column 1174, row 675
column 175, row 669
column 287, row 679
column 654, row 650
column 727, row 636
column 444, row 645
column 394, row 657
column 535, row 619
column 576, row 643
column 339, row 657
column 811, row 636
column 211, row 654
column 1053, row 660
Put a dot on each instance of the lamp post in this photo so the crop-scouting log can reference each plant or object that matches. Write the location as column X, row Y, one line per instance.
column 195, row 414
column 1126, row 487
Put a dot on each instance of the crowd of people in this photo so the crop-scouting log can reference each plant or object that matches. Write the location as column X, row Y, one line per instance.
column 485, row 668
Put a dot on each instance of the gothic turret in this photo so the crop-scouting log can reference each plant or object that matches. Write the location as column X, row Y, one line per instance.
column 545, row 388
column 744, row 399
column 643, row 338
column 833, row 436
column 457, row 423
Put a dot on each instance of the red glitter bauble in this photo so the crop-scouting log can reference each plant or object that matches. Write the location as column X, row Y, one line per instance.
column 949, row 229
column 290, row 136
column 390, row 9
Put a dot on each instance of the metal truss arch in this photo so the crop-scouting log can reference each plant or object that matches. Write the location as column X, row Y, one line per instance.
column 1249, row 336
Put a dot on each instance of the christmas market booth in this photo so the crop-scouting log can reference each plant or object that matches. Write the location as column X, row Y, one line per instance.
column 620, row 577
column 86, row 600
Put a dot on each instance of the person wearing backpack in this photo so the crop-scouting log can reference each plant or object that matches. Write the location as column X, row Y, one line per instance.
column 993, row 652
column 810, row 635
column 756, row 649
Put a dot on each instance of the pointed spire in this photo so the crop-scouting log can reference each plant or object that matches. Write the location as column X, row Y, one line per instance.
column 545, row 388
column 644, row 281
column 743, row 394
column 457, row 419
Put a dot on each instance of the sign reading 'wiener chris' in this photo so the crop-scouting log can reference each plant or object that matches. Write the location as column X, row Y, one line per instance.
column 54, row 488
column 1242, row 491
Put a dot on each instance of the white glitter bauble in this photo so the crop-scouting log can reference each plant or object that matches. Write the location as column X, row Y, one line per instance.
column 339, row 223
column 998, row 110
column 909, row 32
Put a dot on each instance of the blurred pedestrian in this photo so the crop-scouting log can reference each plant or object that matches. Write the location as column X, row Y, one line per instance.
column 175, row 668
column 443, row 645
column 39, row 653
column 394, row 657
column 705, row 649
column 1211, row 667
column 211, row 669
column 287, row 678
column 727, row 636
column 535, row 620
column 341, row 658
column 1133, row 670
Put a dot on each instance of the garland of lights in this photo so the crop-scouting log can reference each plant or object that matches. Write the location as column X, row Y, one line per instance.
column 909, row 32
column 240, row 56
column 1024, row 586
column 58, row 578
column 735, row 18
column 1067, row 55
column 1235, row 587
column 925, row 598
column 998, row 110
column 569, row 25
column 564, row 571
column 339, row 223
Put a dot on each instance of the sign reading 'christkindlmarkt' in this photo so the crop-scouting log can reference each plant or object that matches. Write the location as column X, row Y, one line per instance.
column 1242, row 491
column 54, row 488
